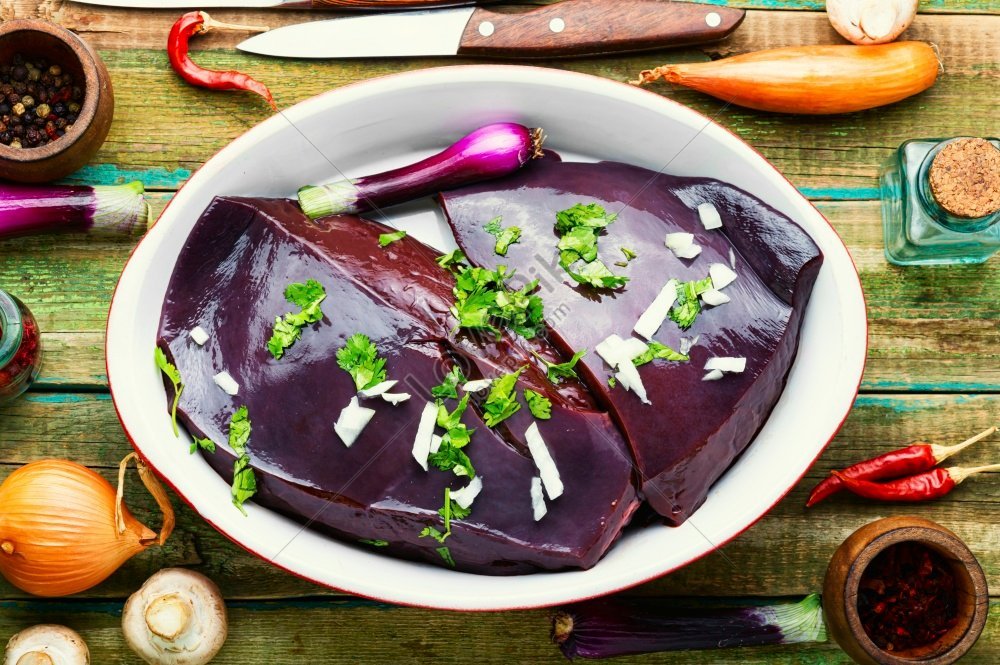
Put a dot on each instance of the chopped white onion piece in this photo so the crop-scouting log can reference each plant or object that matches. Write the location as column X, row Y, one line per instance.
column 732, row 258
column 199, row 335
column 476, row 386
column 677, row 241
column 633, row 347
column 435, row 443
column 537, row 500
column 352, row 421
column 543, row 460
column 714, row 298
column 395, row 398
column 722, row 276
column 425, row 433
column 609, row 349
column 225, row 381
column 714, row 375
column 628, row 376
column 688, row 252
column 687, row 343
column 465, row 496
column 710, row 218
column 377, row 389
column 656, row 313
column 727, row 364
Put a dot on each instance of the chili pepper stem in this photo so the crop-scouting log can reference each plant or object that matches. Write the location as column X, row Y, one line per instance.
column 959, row 473
column 941, row 453
column 209, row 23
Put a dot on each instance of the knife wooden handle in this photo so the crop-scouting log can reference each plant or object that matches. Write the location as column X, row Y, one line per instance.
column 590, row 27
column 368, row 5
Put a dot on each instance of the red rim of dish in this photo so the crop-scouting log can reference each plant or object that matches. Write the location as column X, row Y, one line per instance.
column 624, row 587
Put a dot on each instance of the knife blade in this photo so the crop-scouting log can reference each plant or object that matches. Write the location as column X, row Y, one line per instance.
column 338, row 5
column 569, row 28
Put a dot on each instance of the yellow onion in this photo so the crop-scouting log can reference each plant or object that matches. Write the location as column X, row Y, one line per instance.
column 64, row 528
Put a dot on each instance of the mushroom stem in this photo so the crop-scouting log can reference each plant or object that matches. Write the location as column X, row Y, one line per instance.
column 168, row 616
column 35, row 658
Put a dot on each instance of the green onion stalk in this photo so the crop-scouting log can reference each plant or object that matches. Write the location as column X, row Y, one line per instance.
column 120, row 210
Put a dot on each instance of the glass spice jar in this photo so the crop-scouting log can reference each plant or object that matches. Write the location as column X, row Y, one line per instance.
column 941, row 201
column 20, row 347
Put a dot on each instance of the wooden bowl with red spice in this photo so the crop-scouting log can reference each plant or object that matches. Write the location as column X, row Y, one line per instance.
column 904, row 590
column 41, row 41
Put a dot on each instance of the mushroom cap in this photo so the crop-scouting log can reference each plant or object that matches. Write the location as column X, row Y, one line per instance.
column 61, row 646
column 871, row 21
column 177, row 617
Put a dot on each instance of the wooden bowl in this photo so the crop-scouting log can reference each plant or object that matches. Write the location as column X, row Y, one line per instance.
column 34, row 38
column 840, row 592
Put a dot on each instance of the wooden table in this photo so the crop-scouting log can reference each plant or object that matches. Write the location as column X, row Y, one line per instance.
column 933, row 369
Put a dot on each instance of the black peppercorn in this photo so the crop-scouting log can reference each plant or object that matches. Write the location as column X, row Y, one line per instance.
column 19, row 73
column 38, row 101
column 4, row 109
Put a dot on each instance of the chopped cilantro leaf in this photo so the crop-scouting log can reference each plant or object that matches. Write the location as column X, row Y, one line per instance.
column 687, row 307
column 288, row 328
column 558, row 371
column 453, row 258
column 374, row 543
column 539, row 405
column 359, row 358
column 507, row 237
column 450, row 420
column 502, row 401
column 204, row 444
column 385, row 239
column 449, row 458
column 431, row 532
column 598, row 275
column 239, row 430
column 494, row 226
column 612, row 381
column 482, row 300
column 445, row 554
column 656, row 350
column 244, row 482
column 174, row 376
column 591, row 215
column 629, row 254
column 449, row 387
column 576, row 244
column 579, row 228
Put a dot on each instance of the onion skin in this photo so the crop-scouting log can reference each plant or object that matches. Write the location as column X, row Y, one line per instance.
column 489, row 152
column 57, row 529
column 811, row 80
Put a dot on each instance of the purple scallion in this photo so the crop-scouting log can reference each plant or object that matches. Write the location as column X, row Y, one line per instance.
column 116, row 210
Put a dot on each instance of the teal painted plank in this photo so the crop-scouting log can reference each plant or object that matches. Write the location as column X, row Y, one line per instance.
column 840, row 193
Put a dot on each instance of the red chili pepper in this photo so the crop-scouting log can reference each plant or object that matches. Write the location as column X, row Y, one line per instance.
column 924, row 486
column 894, row 464
column 194, row 23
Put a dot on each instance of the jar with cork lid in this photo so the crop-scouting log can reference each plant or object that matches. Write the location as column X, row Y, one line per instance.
column 941, row 201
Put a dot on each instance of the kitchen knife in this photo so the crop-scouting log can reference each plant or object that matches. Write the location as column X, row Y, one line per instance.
column 339, row 5
column 568, row 28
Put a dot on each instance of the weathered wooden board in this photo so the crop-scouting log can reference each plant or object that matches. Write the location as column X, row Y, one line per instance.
column 931, row 328
column 786, row 553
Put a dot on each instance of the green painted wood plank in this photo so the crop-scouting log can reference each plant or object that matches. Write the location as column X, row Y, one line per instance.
column 784, row 554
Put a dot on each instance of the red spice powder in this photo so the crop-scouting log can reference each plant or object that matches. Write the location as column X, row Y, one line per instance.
column 907, row 597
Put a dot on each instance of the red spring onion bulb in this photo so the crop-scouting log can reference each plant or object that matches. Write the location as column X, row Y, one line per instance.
column 115, row 210
column 489, row 152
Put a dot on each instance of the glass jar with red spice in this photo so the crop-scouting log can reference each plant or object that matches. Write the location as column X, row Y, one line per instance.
column 20, row 347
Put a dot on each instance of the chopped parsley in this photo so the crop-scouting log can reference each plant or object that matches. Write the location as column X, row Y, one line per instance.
column 655, row 350
column 174, row 376
column 288, row 328
column 505, row 236
column 578, row 228
column 449, row 387
column 502, row 401
column 450, row 456
column 374, row 543
column 359, row 357
column 445, row 554
column 556, row 372
column 244, row 481
column 204, row 444
column 612, row 382
column 629, row 254
column 483, row 300
column 455, row 258
column 385, row 239
column 448, row 511
column 539, row 405
column 687, row 307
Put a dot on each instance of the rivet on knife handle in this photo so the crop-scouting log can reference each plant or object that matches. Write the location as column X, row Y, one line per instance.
column 588, row 27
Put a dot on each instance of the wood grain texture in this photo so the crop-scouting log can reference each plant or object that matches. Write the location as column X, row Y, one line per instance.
column 588, row 27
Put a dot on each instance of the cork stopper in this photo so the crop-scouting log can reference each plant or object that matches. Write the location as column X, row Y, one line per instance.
column 965, row 178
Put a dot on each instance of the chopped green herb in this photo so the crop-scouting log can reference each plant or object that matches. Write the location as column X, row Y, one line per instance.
column 661, row 351
column 507, row 237
column 174, row 377
column 385, row 239
column 502, row 401
column 612, row 381
column 239, row 430
column 451, row 419
column 204, row 444
column 591, row 215
column 482, row 300
column 576, row 244
column 598, row 275
column 431, row 532
column 359, row 358
column 539, row 405
column 686, row 309
column 453, row 258
column 579, row 228
column 629, row 254
column 494, row 227
column 374, row 543
column 449, row 387
column 445, row 554
column 556, row 372
column 621, row 264
column 244, row 481
column 288, row 329
column 449, row 456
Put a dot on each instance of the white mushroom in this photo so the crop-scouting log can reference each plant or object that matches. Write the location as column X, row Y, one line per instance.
column 178, row 617
column 46, row 644
column 871, row 21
